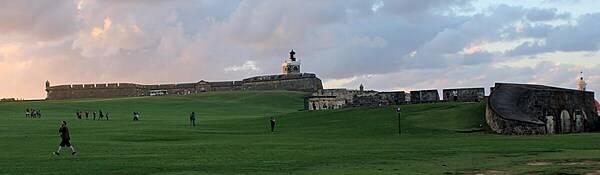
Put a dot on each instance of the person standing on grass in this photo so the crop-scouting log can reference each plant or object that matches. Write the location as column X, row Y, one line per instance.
column 27, row 113
column 94, row 115
column 193, row 119
column 87, row 114
column 65, row 139
column 101, row 115
column 106, row 115
column 136, row 116
column 272, row 121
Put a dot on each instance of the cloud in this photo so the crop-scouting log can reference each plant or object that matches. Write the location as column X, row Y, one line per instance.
column 581, row 36
column 399, row 44
column 38, row 20
column 417, row 9
column 247, row 66
column 545, row 15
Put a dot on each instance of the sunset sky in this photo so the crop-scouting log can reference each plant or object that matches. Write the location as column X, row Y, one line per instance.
column 383, row 44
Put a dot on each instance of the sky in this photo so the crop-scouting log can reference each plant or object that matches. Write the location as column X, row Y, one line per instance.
column 383, row 44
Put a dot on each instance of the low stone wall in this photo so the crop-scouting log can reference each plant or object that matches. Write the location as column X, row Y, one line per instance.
column 464, row 94
column 338, row 98
column 424, row 96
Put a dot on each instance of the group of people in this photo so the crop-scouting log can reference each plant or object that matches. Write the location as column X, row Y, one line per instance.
column 32, row 113
column 66, row 139
column 80, row 114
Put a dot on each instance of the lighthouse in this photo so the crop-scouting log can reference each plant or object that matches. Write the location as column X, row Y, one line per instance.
column 291, row 65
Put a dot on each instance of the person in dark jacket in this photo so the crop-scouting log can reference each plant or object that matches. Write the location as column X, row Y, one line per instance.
column 193, row 119
column 273, row 122
column 65, row 139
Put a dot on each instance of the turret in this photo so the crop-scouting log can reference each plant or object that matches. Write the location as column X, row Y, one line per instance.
column 581, row 84
column 47, row 85
column 291, row 66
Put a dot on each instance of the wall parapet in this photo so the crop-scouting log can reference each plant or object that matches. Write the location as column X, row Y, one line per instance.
column 279, row 77
column 293, row 82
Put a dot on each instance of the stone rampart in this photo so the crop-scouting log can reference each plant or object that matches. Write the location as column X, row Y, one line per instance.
column 292, row 82
column 537, row 109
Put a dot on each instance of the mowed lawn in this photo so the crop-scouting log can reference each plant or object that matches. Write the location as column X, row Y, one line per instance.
column 232, row 137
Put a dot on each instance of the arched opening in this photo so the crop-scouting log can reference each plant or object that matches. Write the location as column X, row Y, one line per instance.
column 565, row 121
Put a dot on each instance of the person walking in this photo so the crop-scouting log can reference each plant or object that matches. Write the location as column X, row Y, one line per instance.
column 273, row 122
column 193, row 119
column 101, row 115
column 65, row 139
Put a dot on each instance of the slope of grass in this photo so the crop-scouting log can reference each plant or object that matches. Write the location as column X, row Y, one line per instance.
column 233, row 138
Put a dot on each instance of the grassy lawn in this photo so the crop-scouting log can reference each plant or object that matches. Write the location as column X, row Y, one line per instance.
column 233, row 138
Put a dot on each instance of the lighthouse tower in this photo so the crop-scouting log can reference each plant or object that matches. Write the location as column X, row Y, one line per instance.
column 292, row 65
column 581, row 84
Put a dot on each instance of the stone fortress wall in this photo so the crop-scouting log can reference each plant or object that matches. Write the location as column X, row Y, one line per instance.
column 538, row 109
column 291, row 79
column 294, row 82
column 340, row 98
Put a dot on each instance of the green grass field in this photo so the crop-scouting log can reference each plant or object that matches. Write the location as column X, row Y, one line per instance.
column 233, row 138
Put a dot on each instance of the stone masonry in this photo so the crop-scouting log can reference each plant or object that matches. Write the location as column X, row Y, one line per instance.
column 537, row 109
column 293, row 82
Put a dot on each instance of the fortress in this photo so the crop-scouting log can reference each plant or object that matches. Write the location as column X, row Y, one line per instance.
column 510, row 108
column 291, row 79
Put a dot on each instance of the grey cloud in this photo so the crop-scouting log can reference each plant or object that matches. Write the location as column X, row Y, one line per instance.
column 545, row 15
column 39, row 20
column 417, row 9
column 582, row 36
